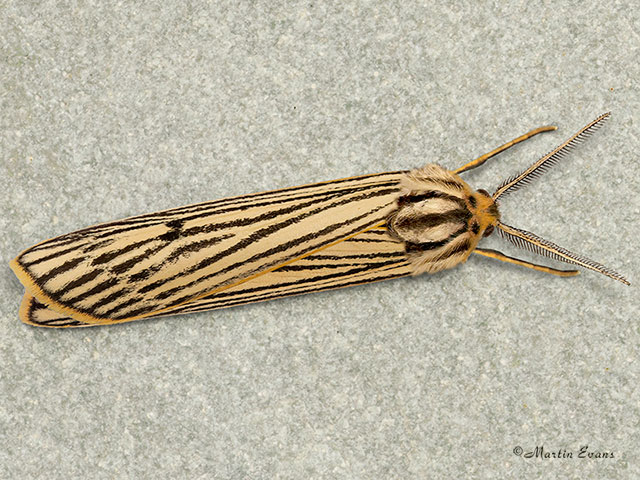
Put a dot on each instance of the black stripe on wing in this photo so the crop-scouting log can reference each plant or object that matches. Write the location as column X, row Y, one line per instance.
column 371, row 256
column 157, row 266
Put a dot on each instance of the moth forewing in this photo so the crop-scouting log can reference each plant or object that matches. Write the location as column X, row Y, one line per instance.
column 154, row 263
column 367, row 257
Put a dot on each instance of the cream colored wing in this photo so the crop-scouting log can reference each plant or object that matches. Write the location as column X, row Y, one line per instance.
column 368, row 257
column 145, row 265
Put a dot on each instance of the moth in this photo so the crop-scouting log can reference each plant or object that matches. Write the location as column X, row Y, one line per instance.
column 285, row 242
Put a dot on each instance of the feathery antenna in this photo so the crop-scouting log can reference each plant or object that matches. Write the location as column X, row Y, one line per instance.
column 533, row 243
column 545, row 163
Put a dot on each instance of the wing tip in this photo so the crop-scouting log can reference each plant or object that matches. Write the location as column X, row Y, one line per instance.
column 24, row 312
column 38, row 293
column 28, row 313
column 34, row 292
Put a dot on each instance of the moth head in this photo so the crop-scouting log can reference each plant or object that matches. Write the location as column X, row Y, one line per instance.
column 441, row 219
column 530, row 241
column 485, row 213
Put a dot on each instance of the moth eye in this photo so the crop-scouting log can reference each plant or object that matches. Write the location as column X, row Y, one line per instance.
column 488, row 231
column 484, row 192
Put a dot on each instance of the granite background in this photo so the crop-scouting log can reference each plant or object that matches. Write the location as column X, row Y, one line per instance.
column 111, row 109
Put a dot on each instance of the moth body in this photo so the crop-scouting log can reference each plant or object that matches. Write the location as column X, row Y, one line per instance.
column 274, row 244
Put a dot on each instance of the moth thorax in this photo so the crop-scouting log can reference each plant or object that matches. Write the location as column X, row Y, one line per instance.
column 439, row 218
column 428, row 220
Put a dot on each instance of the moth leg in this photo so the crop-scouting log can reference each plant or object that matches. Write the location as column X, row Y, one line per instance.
column 480, row 160
column 541, row 268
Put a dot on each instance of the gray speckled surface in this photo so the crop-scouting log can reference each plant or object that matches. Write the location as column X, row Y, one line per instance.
column 114, row 110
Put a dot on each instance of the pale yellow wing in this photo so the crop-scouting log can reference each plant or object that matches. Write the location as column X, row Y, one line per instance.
column 154, row 263
column 368, row 257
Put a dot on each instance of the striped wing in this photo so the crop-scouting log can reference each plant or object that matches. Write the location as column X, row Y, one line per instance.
column 154, row 263
column 370, row 256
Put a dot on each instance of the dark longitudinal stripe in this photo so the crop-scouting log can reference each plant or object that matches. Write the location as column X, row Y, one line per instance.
column 450, row 183
column 66, row 322
column 196, row 246
column 56, row 242
column 431, row 220
column 319, row 257
column 175, row 255
column 101, row 287
column 369, row 240
column 88, row 248
column 81, row 280
column 303, row 239
column 421, row 197
column 125, row 266
column 109, row 298
column 59, row 253
column 60, row 269
column 311, row 267
column 93, row 246
column 113, row 254
column 421, row 247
